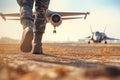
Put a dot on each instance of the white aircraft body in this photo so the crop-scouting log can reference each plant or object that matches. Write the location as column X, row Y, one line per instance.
column 55, row 18
column 98, row 37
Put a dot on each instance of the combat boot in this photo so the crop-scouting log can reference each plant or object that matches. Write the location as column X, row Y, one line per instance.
column 27, row 37
column 37, row 43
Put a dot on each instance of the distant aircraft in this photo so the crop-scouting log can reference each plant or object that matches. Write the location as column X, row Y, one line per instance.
column 55, row 18
column 98, row 37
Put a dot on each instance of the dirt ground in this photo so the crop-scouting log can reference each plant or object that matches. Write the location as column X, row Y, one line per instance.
column 61, row 61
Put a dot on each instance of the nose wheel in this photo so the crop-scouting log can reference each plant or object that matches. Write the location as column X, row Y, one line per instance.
column 105, row 42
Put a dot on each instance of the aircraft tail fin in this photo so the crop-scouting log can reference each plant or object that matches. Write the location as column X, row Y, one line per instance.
column 91, row 29
column 3, row 17
column 104, row 29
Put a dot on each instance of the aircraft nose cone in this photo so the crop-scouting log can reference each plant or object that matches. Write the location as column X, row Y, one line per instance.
column 96, row 38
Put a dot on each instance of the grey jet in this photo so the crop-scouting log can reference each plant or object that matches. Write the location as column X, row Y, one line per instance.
column 98, row 37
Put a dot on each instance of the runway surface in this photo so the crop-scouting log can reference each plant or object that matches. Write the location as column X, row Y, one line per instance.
column 61, row 61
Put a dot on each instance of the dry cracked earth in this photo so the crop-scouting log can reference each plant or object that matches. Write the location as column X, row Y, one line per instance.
column 61, row 62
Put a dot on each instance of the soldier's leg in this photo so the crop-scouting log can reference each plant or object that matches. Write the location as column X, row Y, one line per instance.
column 40, row 23
column 27, row 23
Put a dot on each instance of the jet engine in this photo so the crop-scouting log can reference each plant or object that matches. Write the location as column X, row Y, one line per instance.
column 55, row 19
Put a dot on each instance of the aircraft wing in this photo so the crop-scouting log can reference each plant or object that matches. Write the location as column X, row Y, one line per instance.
column 108, row 38
column 16, row 19
column 9, row 15
column 73, row 14
column 65, row 18
column 63, row 14
column 68, row 18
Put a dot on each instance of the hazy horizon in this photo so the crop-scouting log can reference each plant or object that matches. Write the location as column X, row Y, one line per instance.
column 102, row 13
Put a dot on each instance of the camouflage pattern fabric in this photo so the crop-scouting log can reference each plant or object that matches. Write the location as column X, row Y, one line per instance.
column 26, row 13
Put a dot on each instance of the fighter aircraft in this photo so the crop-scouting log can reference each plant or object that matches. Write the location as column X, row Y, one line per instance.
column 98, row 37
column 53, row 17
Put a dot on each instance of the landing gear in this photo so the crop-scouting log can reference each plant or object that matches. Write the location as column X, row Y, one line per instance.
column 105, row 42
column 54, row 31
column 88, row 42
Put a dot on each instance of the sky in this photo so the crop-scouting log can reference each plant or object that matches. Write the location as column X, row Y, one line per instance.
column 102, row 13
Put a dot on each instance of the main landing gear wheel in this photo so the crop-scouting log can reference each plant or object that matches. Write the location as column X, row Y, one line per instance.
column 88, row 42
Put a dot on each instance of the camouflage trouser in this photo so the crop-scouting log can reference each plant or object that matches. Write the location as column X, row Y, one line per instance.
column 26, row 13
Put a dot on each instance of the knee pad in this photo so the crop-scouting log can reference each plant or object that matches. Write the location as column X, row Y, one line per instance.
column 25, row 2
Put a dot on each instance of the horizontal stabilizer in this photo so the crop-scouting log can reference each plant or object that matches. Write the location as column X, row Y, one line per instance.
column 88, row 37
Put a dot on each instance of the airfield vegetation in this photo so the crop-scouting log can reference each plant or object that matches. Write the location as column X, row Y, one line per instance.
column 61, row 61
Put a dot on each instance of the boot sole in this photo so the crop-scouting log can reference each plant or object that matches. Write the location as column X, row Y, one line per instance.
column 26, row 43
